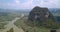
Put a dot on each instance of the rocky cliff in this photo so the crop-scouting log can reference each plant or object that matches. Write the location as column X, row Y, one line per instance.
column 38, row 13
column 39, row 16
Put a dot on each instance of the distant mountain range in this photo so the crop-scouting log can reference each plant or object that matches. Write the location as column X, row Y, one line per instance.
column 53, row 10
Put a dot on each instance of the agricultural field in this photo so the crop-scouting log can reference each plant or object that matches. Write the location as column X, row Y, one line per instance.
column 5, row 18
column 21, row 24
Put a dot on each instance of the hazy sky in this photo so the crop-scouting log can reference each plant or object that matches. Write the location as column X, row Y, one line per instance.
column 28, row 4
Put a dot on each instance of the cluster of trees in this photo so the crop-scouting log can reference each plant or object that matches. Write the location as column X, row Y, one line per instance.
column 50, row 24
column 58, row 18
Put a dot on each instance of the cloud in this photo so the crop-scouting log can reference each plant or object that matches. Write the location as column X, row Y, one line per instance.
column 17, row 1
column 28, row 4
column 16, row 4
column 48, row 3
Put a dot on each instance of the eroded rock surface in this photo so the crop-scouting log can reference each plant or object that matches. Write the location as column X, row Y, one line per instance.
column 38, row 13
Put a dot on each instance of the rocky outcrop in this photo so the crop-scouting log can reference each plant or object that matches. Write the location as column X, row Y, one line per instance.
column 39, row 14
column 41, row 17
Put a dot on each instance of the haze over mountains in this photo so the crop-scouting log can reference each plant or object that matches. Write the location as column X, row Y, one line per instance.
column 53, row 10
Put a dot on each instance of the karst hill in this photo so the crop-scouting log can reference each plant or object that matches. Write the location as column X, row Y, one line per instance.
column 39, row 20
column 38, row 13
column 39, row 16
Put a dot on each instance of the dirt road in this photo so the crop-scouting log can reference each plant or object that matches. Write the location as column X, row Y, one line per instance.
column 11, row 25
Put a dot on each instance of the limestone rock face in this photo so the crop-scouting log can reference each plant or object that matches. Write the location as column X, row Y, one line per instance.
column 40, row 14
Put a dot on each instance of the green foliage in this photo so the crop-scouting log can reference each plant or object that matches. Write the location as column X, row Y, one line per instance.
column 51, row 24
column 11, row 30
column 35, row 26
column 47, row 24
column 21, row 23
column 5, row 19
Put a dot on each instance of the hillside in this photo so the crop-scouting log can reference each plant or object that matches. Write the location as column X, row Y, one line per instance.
column 30, row 24
column 42, row 17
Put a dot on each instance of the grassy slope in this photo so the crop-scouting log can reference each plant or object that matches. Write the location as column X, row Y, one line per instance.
column 21, row 23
